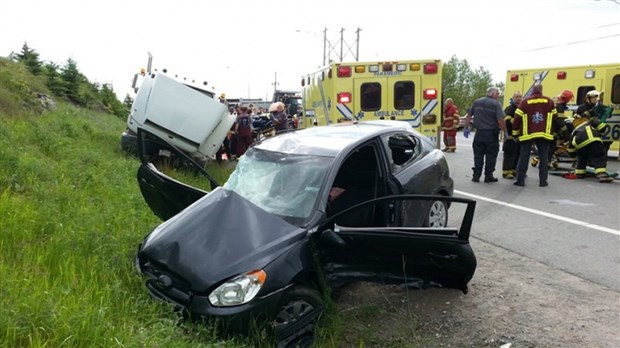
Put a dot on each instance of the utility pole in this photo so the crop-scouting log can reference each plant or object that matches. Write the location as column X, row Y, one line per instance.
column 357, row 44
column 328, row 47
column 341, row 42
column 324, row 44
column 275, row 82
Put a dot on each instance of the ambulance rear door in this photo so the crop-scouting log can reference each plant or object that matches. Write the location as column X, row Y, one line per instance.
column 390, row 97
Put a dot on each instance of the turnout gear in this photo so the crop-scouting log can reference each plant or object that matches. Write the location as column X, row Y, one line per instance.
column 586, row 144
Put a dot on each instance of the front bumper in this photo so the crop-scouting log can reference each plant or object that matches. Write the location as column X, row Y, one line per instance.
column 129, row 142
column 231, row 320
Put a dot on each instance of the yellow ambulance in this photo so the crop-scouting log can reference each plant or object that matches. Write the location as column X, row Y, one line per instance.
column 399, row 90
column 579, row 80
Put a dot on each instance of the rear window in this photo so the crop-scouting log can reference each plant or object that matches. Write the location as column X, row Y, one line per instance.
column 403, row 95
column 371, row 96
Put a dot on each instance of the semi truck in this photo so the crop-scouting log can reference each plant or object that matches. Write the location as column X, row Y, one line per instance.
column 188, row 117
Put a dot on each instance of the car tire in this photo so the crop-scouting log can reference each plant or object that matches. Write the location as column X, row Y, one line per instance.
column 437, row 215
column 297, row 303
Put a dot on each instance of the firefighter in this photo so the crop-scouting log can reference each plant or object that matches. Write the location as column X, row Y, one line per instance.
column 510, row 146
column 587, row 145
column 450, row 123
column 593, row 107
column 533, row 125
column 556, row 145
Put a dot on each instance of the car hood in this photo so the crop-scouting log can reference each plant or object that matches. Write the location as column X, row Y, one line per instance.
column 219, row 236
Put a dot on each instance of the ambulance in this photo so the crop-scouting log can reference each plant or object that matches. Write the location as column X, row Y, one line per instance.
column 580, row 80
column 399, row 90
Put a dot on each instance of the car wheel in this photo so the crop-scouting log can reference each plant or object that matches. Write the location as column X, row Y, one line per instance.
column 437, row 215
column 300, row 308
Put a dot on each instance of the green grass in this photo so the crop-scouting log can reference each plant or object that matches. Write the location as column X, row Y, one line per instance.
column 71, row 217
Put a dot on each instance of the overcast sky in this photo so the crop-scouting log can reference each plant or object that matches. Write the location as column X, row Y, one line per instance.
column 239, row 46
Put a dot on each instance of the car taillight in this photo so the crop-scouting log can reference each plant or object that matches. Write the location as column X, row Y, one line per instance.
column 344, row 71
column 344, row 97
column 430, row 68
column 430, row 93
column 514, row 77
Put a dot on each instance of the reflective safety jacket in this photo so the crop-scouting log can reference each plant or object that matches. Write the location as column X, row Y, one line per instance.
column 535, row 117
column 584, row 134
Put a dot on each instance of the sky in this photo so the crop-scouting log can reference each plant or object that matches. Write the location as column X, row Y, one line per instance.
column 246, row 48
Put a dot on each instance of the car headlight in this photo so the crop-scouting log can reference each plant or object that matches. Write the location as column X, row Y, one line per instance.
column 239, row 290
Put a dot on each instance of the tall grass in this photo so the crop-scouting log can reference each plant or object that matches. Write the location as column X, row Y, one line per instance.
column 71, row 218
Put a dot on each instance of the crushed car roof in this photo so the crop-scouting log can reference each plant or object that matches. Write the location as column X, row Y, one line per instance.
column 330, row 140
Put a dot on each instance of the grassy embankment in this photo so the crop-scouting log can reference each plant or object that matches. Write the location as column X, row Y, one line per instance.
column 71, row 218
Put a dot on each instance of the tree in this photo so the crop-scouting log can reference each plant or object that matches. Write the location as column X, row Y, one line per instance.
column 72, row 80
column 463, row 84
column 30, row 58
column 53, row 81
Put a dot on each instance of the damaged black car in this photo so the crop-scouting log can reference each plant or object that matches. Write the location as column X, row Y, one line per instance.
column 303, row 214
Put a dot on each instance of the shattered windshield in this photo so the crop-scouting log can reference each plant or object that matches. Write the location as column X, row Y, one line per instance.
column 283, row 184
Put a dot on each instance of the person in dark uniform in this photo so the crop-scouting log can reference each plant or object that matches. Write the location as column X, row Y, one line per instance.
column 488, row 121
column 510, row 146
column 586, row 144
column 593, row 107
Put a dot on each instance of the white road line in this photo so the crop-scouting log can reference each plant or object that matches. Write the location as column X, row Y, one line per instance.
column 542, row 213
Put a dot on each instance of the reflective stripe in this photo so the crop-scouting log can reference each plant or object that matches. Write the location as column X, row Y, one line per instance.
column 590, row 139
column 344, row 111
column 429, row 107
column 525, row 129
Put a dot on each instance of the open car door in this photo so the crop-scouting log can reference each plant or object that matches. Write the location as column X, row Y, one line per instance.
column 389, row 248
column 163, row 194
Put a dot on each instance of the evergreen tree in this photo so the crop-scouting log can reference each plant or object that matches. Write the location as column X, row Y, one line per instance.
column 53, row 81
column 72, row 79
column 30, row 58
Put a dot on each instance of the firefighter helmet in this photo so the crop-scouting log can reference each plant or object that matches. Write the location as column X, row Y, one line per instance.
column 593, row 93
column 566, row 96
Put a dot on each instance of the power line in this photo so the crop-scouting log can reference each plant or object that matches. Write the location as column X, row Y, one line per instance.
column 572, row 43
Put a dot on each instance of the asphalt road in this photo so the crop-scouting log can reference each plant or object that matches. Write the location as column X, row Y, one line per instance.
column 571, row 225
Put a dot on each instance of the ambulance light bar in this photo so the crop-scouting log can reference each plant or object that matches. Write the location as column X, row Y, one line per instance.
column 431, row 68
column 589, row 74
column 387, row 67
column 430, row 93
column 360, row 69
column 514, row 77
column 561, row 75
column 401, row 67
column 373, row 68
column 415, row 67
column 344, row 97
column 344, row 71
